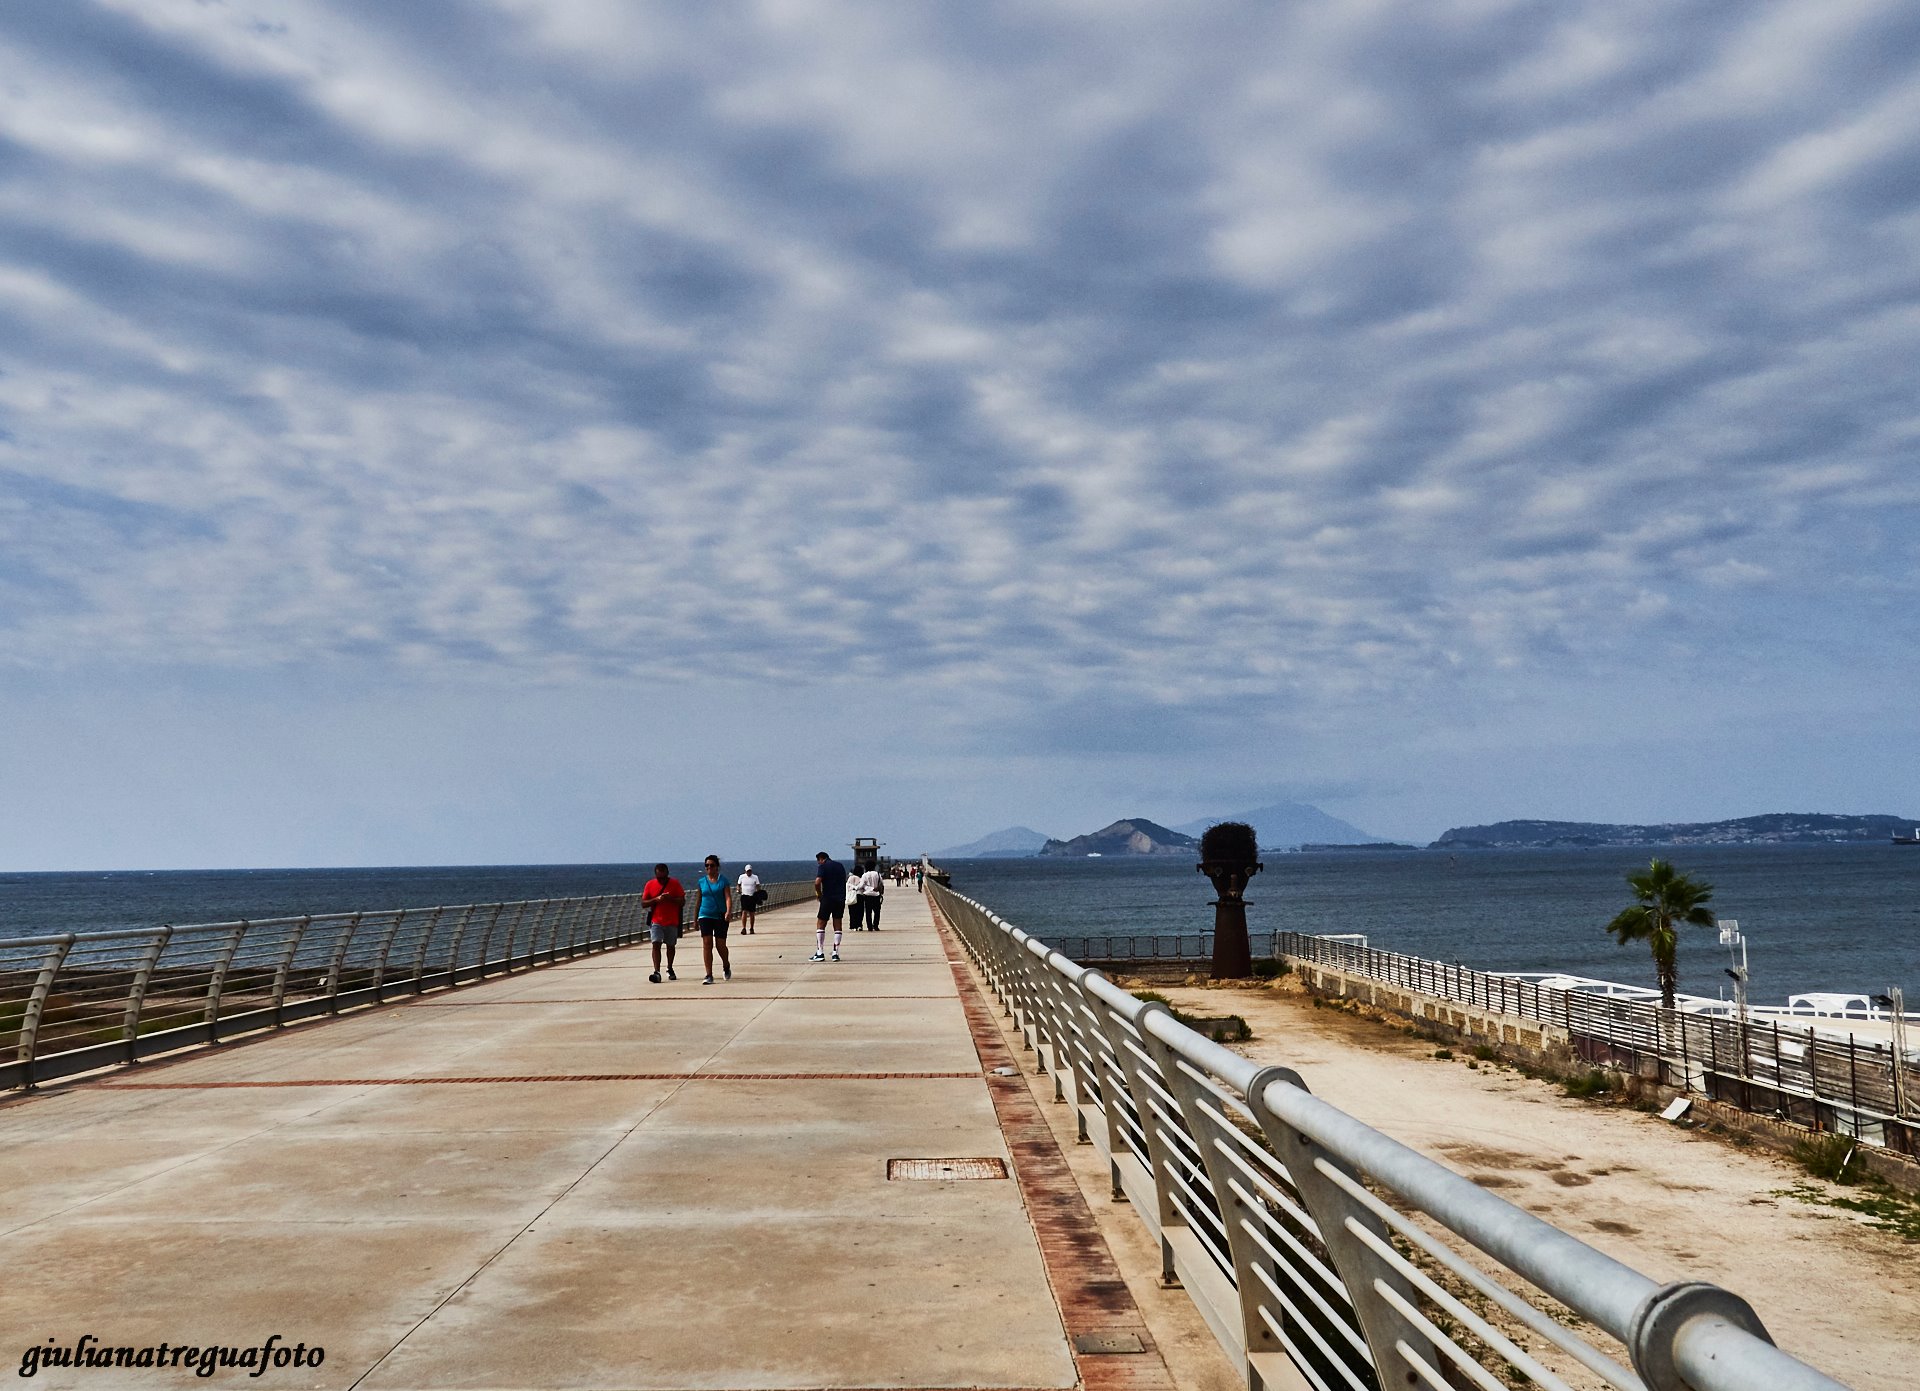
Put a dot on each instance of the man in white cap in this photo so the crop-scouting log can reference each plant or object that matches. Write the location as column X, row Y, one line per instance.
column 748, row 898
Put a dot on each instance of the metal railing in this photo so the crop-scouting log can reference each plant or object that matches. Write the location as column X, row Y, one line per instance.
column 1820, row 1080
column 76, row 1001
column 1324, row 1254
column 1171, row 947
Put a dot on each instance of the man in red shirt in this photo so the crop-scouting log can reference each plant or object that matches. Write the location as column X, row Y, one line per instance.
column 664, row 900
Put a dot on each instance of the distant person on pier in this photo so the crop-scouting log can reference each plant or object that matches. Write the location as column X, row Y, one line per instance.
column 665, row 900
column 716, row 906
column 830, row 887
column 856, row 905
column 749, row 899
column 872, row 890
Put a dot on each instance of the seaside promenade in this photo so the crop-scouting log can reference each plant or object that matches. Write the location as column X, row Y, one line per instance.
column 570, row 1178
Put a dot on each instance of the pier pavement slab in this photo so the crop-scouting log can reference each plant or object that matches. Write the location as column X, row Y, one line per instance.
column 570, row 1177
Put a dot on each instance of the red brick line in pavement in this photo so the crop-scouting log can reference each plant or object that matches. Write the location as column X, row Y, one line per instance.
column 1087, row 1284
column 627, row 999
column 555, row 1077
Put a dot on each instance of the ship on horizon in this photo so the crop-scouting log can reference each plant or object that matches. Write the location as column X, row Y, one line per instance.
column 1913, row 839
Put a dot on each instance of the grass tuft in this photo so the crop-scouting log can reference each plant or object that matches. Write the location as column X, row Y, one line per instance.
column 1828, row 1157
column 1594, row 1083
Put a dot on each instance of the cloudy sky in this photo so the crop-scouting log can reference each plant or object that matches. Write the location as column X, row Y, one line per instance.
column 571, row 430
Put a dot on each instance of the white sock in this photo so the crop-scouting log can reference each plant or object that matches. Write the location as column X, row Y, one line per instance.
column 836, row 939
column 820, row 945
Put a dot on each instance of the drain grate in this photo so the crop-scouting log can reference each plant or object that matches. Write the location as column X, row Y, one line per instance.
column 937, row 1169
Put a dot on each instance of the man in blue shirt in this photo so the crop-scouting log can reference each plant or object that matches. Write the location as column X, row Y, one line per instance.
column 716, row 906
column 830, row 887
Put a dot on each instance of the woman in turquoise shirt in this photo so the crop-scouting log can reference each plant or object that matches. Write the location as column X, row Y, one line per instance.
column 716, row 906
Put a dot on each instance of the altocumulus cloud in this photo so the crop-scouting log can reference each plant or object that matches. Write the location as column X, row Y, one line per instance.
column 1169, row 355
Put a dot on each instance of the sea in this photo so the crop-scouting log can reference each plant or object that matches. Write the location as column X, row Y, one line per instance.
column 103, row 900
column 1817, row 917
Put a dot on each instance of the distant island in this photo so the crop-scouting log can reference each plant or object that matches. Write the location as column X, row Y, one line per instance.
column 1014, row 843
column 1296, row 826
column 1279, row 825
column 1361, row 845
column 1134, row 835
column 1774, row 828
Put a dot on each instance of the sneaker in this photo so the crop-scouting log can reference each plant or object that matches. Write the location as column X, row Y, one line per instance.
column 671, row 975
column 707, row 981
column 836, row 956
column 655, row 978
column 729, row 971
column 817, row 957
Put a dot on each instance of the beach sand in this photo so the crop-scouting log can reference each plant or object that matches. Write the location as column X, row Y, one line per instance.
column 1674, row 1203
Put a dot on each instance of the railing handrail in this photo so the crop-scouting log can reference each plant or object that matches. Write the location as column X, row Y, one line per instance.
column 1158, row 1099
column 120, row 934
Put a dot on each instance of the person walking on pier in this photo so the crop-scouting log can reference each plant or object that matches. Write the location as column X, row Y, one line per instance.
column 856, row 905
column 665, row 900
column 749, row 899
column 716, row 906
column 872, row 889
column 830, row 887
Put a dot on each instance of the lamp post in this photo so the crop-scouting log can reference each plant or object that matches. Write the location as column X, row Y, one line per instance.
column 1230, row 856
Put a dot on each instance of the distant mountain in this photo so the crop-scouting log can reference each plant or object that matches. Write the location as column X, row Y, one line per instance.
column 1134, row 836
column 1774, row 828
column 1285, row 825
column 1016, row 842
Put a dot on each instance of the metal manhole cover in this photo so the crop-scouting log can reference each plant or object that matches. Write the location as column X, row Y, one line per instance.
column 1108, row 1343
column 946, row 1168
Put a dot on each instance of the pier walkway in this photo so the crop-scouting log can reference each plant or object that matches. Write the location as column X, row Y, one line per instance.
column 567, row 1178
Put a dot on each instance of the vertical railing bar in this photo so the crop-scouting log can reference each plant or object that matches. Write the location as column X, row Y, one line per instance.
column 137, row 992
column 28, row 1051
column 217, row 985
column 339, row 962
column 285, row 968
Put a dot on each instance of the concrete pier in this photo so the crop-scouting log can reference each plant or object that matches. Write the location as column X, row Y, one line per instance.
column 565, row 1178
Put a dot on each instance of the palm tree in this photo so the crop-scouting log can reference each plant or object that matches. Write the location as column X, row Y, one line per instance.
column 1666, row 899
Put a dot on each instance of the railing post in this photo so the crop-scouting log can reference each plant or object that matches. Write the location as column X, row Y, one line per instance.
column 533, row 931
column 486, row 940
column 553, row 931
column 420, row 957
column 586, row 917
column 1112, row 1082
column 383, row 951
column 453, row 947
column 137, row 994
column 37, row 1004
column 217, row 986
column 285, row 968
column 1256, row 1335
column 1352, row 1235
column 339, row 963
column 1166, row 1216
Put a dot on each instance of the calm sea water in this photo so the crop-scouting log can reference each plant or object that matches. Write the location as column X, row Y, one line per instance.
column 31, row 904
column 1816, row 917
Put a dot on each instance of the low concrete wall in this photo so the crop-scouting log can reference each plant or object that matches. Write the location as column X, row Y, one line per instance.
column 1548, row 1049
